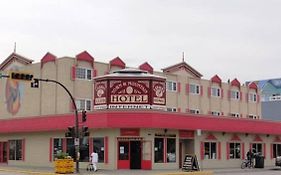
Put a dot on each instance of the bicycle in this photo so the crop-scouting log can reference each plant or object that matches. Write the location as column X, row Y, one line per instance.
column 247, row 163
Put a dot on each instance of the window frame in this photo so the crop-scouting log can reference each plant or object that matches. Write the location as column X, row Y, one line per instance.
column 173, row 84
column 86, row 76
column 195, row 87
column 276, row 151
column 237, row 115
column 194, row 111
column 17, row 153
column 235, row 156
column 216, row 113
column 256, row 145
column 171, row 109
column 164, row 152
column 101, row 158
column 235, row 95
column 252, row 97
column 79, row 101
column 216, row 92
column 210, row 150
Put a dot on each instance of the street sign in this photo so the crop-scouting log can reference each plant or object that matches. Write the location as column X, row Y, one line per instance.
column 76, row 141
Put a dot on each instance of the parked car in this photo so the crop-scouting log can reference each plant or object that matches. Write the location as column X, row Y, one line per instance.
column 278, row 161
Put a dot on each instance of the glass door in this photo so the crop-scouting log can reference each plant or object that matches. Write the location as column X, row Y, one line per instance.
column 3, row 152
column 123, row 155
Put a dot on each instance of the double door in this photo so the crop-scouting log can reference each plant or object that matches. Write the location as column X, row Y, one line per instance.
column 134, row 154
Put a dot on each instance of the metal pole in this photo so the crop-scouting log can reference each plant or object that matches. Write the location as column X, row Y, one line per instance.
column 76, row 120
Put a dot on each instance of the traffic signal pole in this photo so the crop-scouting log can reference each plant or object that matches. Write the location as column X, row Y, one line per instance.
column 76, row 119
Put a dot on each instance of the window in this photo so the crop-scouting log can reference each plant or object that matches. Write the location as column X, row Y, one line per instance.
column 194, row 111
column 216, row 113
column 235, row 115
column 252, row 116
column 57, row 147
column 98, row 144
column 257, row 148
column 276, row 150
column 252, row 97
column 194, row 89
column 171, row 109
column 234, row 150
column 171, row 86
column 84, row 148
column 210, row 150
column 83, row 73
column 15, row 150
column 215, row 92
column 169, row 149
column 83, row 104
column 234, row 95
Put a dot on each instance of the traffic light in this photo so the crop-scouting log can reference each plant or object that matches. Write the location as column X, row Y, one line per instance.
column 35, row 83
column 85, row 131
column 70, row 132
column 21, row 76
column 84, row 116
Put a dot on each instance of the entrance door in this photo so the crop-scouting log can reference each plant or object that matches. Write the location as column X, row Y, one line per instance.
column 3, row 152
column 135, row 154
column 123, row 155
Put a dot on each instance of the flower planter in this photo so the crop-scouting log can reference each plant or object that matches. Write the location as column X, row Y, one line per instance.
column 64, row 166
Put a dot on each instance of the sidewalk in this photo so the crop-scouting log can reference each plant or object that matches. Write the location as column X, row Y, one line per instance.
column 50, row 171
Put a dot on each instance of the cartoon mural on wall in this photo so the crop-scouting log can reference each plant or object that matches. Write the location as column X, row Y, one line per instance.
column 13, row 94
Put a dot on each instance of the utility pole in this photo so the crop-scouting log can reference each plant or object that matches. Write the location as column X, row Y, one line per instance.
column 77, row 154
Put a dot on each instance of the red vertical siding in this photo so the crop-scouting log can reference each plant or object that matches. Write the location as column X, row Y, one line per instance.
column 187, row 88
column 202, row 150
column 73, row 73
column 51, row 150
column 106, row 150
column 179, row 87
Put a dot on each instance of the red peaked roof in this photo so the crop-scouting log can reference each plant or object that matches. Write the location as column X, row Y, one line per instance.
column 235, row 82
column 145, row 66
column 48, row 57
column 253, row 85
column 117, row 62
column 216, row 79
column 85, row 56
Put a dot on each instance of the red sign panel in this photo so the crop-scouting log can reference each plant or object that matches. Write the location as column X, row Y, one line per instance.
column 129, row 92
column 158, row 92
column 100, row 91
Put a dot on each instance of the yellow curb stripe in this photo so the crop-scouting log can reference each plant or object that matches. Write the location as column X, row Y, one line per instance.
column 27, row 171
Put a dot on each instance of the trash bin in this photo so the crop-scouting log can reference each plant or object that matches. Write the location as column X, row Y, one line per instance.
column 259, row 159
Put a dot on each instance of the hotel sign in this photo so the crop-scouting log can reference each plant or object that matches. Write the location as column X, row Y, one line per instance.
column 100, row 92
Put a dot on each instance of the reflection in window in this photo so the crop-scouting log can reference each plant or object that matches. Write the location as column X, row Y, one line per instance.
column 234, row 150
column 98, row 144
column 210, row 150
column 15, row 150
column 57, row 147
column 159, row 150
column 171, row 150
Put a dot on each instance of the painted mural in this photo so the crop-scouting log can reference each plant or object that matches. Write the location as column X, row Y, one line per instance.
column 13, row 95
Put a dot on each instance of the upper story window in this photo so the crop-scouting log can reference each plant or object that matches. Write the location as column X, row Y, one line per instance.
column 171, row 109
column 252, row 116
column 171, row 86
column 84, row 104
column 252, row 97
column 83, row 73
column 215, row 92
column 234, row 94
column 216, row 113
column 194, row 111
column 234, row 115
column 194, row 89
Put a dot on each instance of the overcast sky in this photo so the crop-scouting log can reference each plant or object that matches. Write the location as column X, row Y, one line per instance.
column 232, row 38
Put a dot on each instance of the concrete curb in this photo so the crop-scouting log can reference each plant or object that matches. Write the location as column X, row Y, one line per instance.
column 189, row 173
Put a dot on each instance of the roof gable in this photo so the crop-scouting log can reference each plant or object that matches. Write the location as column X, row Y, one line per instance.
column 117, row 62
column 145, row 66
column 85, row 56
column 235, row 82
column 14, row 57
column 48, row 58
column 253, row 85
column 183, row 65
column 216, row 79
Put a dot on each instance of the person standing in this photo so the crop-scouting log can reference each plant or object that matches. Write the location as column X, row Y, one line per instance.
column 94, row 160
column 250, row 157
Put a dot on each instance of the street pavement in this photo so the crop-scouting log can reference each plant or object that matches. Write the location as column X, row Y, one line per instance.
column 13, row 170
